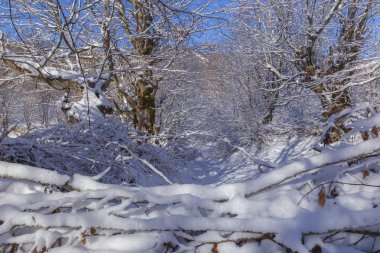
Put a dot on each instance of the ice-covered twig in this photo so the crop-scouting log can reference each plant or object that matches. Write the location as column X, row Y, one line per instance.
column 147, row 164
column 258, row 161
column 280, row 175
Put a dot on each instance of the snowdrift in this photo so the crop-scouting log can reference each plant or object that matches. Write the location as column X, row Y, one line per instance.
column 325, row 203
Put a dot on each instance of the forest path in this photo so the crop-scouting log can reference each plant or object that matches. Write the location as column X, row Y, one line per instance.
column 243, row 164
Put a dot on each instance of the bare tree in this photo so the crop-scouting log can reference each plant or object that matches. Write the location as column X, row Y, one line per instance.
column 111, row 54
column 323, row 47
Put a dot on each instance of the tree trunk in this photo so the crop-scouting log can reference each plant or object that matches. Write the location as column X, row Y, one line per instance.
column 144, row 111
column 333, row 104
column 272, row 99
column 143, row 106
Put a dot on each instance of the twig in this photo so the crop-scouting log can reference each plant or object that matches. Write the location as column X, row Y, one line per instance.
column 146, row 163
column 337, row 182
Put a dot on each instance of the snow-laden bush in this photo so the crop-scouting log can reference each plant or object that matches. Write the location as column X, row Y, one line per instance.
column 131, row 156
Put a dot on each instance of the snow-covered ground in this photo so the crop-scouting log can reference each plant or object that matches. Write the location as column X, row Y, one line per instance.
column 244, row 164
column 325, row 202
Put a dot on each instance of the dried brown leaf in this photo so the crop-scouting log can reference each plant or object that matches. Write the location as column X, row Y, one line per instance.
column 334, row 193
column 170, row 247
column 365, row 173
column 57, row 243
column 316, row 249
column 14, row 248
column 92, row 231
column 215, row 248
column 374, row 132
column 365, row 135
column 322, row 197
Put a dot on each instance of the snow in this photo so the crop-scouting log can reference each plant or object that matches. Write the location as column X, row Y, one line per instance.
column 273, row 209
column 101, row 186
column 91, row 98
column 86, row 183
column 9, row 170
column 98, row 217
column 132, row 243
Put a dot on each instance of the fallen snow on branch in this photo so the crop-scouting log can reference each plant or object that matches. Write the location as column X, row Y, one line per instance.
column 329, row 201
column 91, row 86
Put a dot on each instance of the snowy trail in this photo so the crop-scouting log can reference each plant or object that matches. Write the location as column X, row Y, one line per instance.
column 243, row 166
